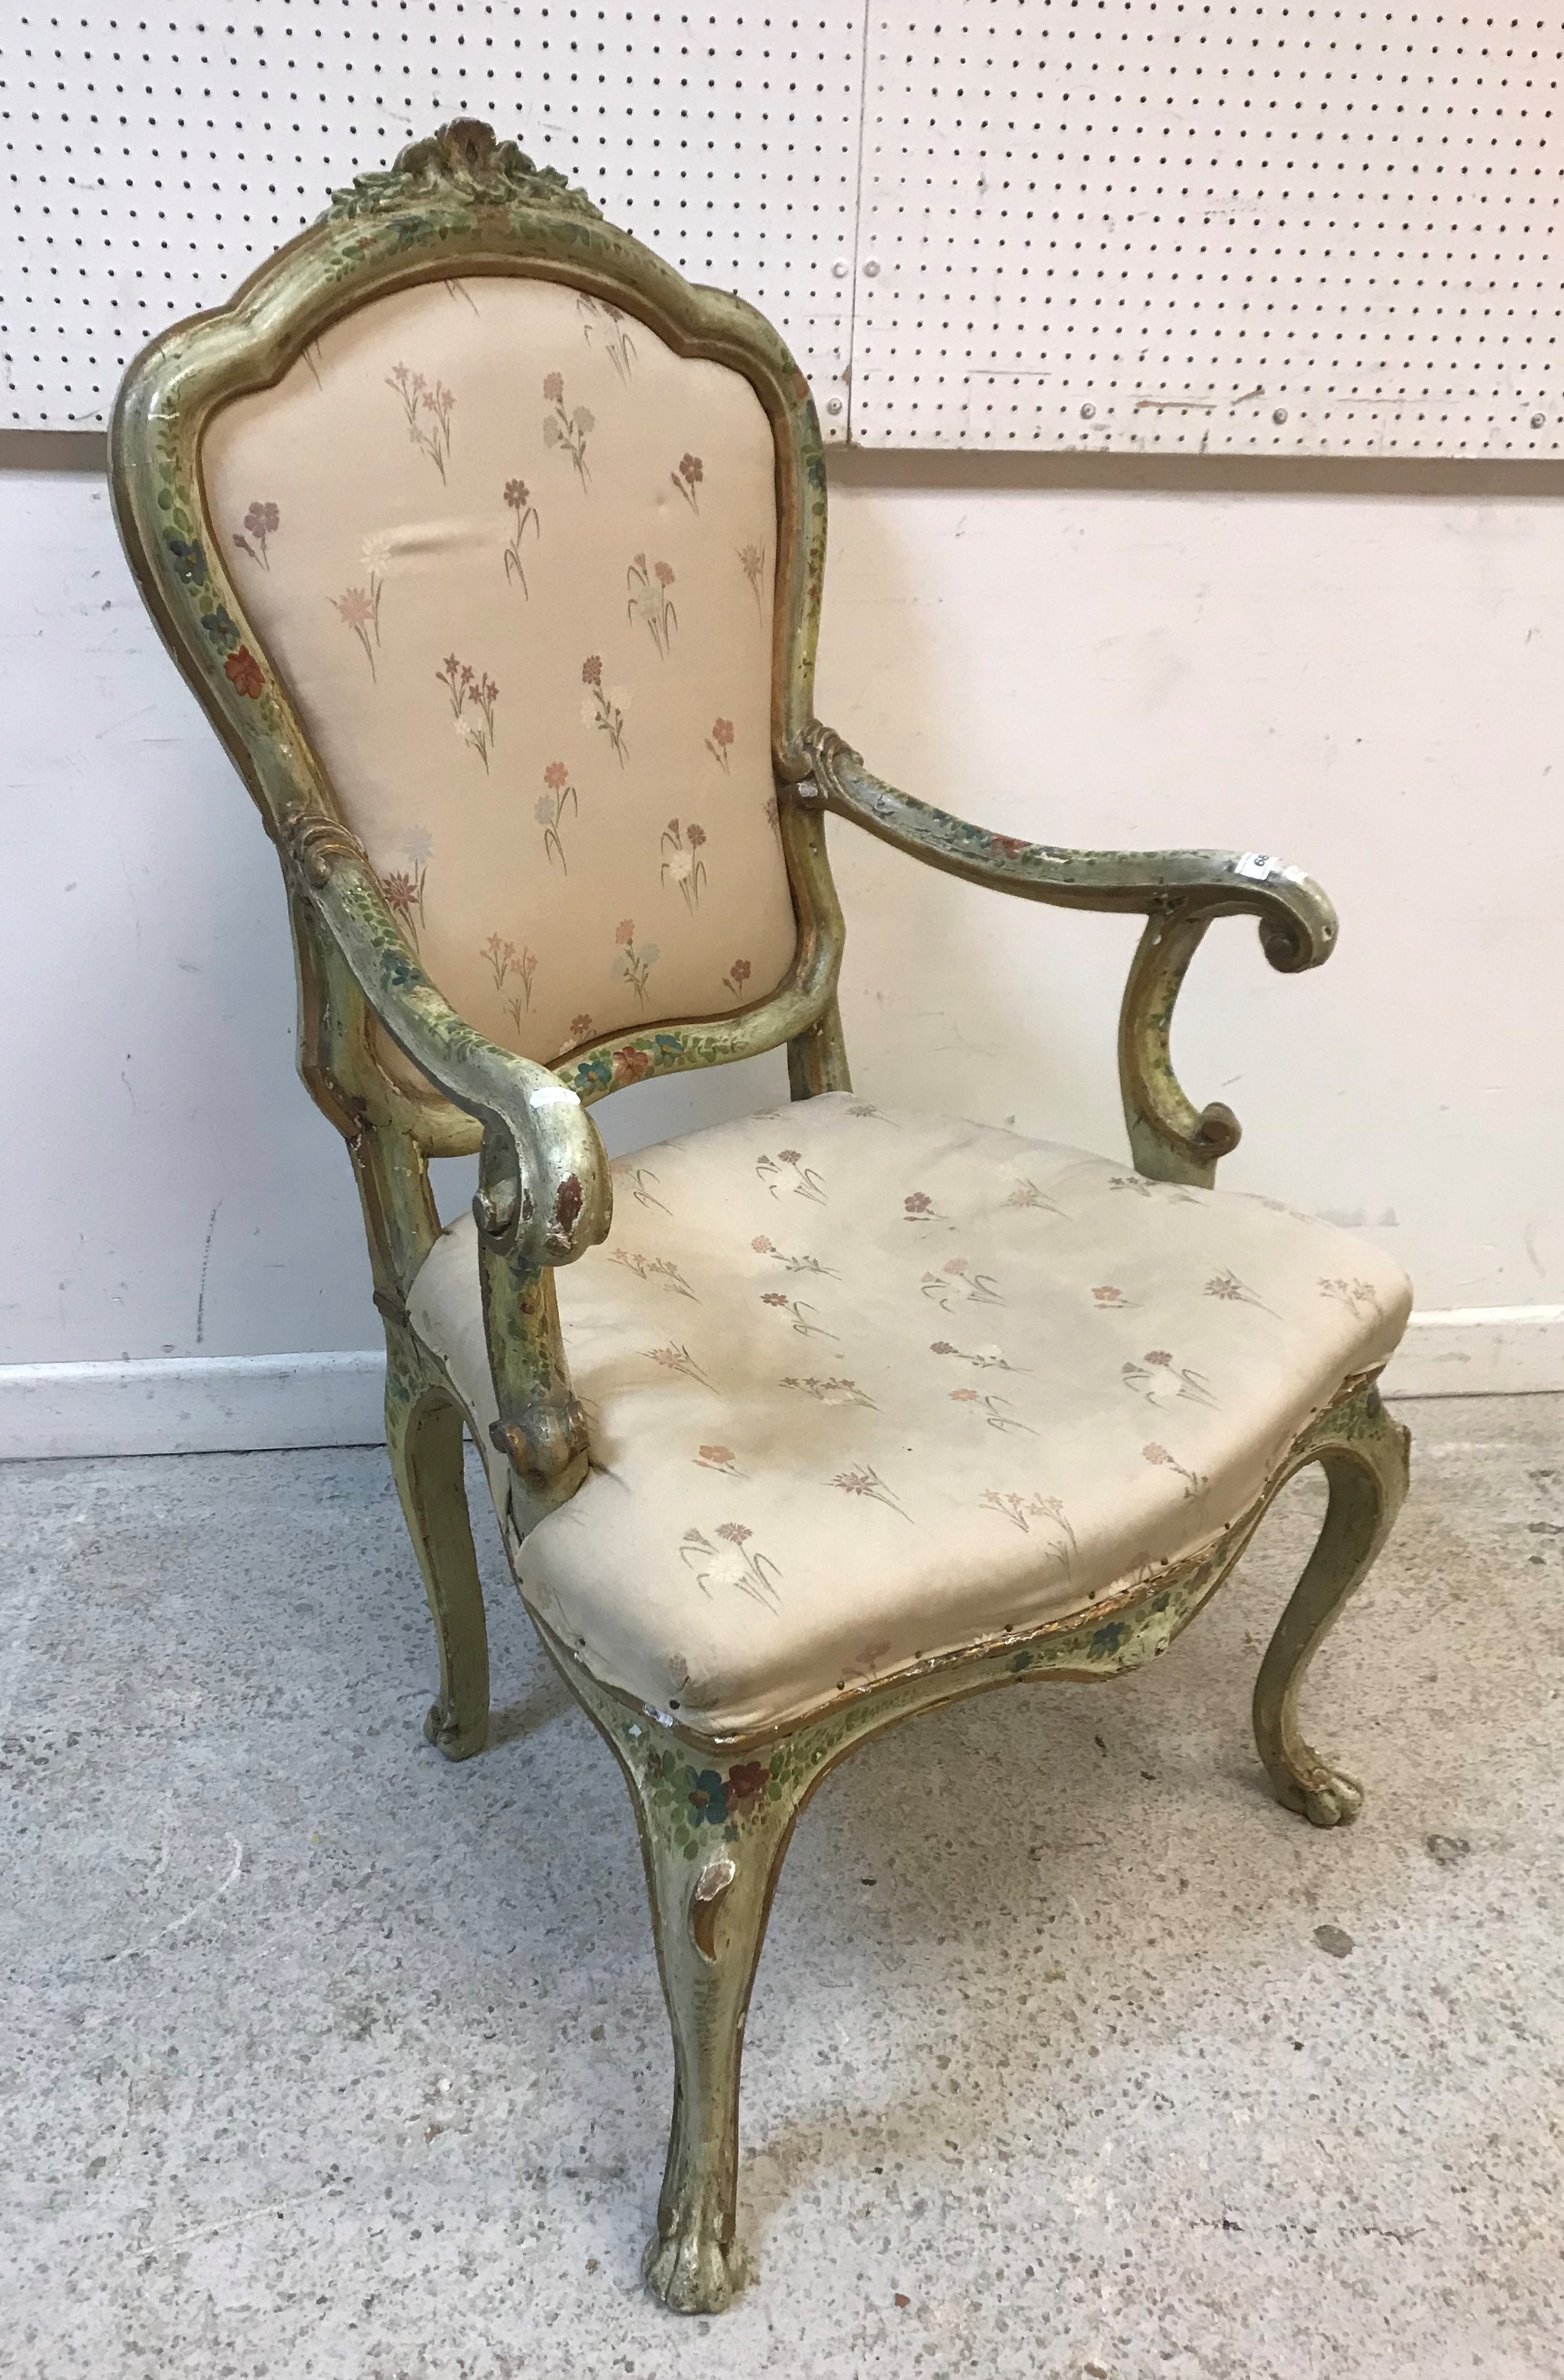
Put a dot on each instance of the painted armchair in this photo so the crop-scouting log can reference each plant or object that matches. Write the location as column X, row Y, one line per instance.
column 493, row 551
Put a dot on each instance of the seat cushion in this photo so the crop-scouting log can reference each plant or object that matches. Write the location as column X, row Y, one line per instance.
column 866, row 1386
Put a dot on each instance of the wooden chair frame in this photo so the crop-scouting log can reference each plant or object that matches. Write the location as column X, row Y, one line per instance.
column 462, row 203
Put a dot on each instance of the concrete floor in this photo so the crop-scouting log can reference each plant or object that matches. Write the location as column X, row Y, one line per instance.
column 1082, row 2058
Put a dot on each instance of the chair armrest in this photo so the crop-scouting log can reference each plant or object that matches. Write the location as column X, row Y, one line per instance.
column 544, row 1194
column 1179, row 893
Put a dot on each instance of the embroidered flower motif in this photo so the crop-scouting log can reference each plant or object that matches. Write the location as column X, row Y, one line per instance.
column 674, row 1358
column 1026, row 1194
column 654, row 1268
column 1360, row 1297
column 650, row 601
column 764, row 1248
column 567, row 428
column 718, row 1458
column 833, row 1392
column 1021, row 1512
column 475, row 727
column 243, row 673
column 736, row 977
column 866, row 1481
column 1233, row 1292
column 732, row 1563
column 597, row 314
column 956, row 1284
column 633, row 967
column 1160, row 1381
column 1109, row 1296
column 720, row 743
column 982, row 1359
column 401, row 897
column 806, row 1182
column 550, row 808
column 752, row 559
column 517, row 1003
column 918, row 1207
column 806, row 1329
column 262, row 521
column 995, row 1410
column 427, row 407
column 518, row 496
column 638, row 1181
column 501, row 955
column 687, row 480
column 358, row 609
column 603, row 708
column 682, row 862
column 1194, row 1480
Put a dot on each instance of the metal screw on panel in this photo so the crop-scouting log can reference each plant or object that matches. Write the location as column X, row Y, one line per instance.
column 1088, row 412
column 839, row 269
column 1280, row 416
column 870, row 268
column 834, row 404
column 1539, row 421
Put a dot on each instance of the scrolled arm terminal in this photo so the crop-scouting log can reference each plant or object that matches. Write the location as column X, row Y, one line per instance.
column 1179, row 893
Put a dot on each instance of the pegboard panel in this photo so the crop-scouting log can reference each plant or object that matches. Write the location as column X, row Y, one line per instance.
column 155, row 155
column 1254, row 226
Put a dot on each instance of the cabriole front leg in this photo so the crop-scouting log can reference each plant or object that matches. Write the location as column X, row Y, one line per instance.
column 713, row 1831
column 1365, row 1464
column 423, row 1435
column 708, row 1913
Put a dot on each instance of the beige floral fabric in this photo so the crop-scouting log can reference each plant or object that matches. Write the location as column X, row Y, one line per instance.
column 514, row 559
column 867, row 1386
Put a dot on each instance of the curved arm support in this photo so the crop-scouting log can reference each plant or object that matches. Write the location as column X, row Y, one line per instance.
column 544, row 1195
column 1178, row 891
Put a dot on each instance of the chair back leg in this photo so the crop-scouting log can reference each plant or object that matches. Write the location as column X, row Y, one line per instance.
column 1365, row 1458
column 423, row 1435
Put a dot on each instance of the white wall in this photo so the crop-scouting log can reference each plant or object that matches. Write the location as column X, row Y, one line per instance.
column 1369, row 683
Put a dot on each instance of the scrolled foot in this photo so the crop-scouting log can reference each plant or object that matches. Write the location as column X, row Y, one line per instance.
column 689, row 2269
column 450, row 1736
column 1327, row 1797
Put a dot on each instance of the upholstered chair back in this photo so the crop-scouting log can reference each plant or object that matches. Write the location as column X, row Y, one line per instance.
column 513, row 559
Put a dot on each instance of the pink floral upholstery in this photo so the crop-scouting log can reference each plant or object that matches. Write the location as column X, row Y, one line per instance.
column 867, row 1386
column 512, row 558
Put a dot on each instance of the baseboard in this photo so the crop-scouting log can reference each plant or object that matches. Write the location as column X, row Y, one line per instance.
column 200, row 1406
column 241, row 1403
column 1479, row 1351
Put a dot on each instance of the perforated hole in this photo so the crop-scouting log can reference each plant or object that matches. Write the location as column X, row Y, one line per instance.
column 155, row 158
column 1248, row 227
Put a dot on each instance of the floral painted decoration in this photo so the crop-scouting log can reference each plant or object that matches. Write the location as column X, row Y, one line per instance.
column 720, row 743
column 736, row 977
